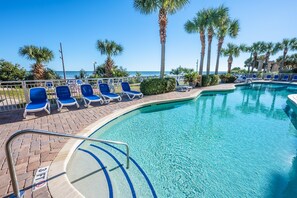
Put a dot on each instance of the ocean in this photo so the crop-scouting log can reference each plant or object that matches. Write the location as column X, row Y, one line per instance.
column 71, row 74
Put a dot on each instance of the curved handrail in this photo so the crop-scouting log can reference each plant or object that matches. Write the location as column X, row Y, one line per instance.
column 11, row 167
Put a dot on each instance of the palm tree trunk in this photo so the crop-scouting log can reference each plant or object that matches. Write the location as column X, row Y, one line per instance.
column 230, row 60
column 108, row 67
column 162, row 25
column 210, row 34
column 266, row 61
column 283, row 61
column 220, row 43
column 38, row 71
column 162, row 70
column 202, row 39
column 255, row 61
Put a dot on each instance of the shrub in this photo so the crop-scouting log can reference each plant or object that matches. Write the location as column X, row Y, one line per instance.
column 208, row 80
column 82, row 74
column 101, row 71
column 191, row 78
column 157, row 86
column 227, row 78
column 9, row 71
column 214, row 79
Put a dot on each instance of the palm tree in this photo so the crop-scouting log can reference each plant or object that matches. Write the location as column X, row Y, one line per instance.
column 109, row 48
column 270, row 49
column 224, row 26
column 198, row 25
column 255, row 49
column 290, row 61
column 164, row 7
column 286, row 45
column 231, row 51
column 212, row 16
column 40, row 55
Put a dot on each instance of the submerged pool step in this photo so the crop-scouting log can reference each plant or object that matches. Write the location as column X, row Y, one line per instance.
column 153, row 193
column 104, row 162
column 118, row 166
column 86, row 171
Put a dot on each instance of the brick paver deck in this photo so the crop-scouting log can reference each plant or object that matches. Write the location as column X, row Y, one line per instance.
column 33, row 151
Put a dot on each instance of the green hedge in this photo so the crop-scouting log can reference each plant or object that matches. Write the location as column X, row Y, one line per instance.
column 157, row 86
column 227, row 78
column 209, row 80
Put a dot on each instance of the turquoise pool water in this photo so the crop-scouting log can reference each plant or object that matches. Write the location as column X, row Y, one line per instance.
column 223, row 144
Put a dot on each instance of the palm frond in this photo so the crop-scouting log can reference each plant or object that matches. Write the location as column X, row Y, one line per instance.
column 147, row 6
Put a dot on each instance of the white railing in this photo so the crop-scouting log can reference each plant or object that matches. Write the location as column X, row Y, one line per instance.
column 14, row 94
column 11, row 165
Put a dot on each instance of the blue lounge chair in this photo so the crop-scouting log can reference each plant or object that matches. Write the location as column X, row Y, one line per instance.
column 254, row 77
column 268, row 77
column 79, row 82
column 99, row 81
column 88, row 95
column 285, row 77
column 275, row 77
column 64, row 97
column 182, row 87
column 294, row 78
column 105, row 92
column 49, row 85
column 38, row 101
column 130, row 93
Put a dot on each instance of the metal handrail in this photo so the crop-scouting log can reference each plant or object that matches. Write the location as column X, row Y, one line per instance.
column 11, row 167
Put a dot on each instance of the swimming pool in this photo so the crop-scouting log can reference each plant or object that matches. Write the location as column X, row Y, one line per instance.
column 223, row 144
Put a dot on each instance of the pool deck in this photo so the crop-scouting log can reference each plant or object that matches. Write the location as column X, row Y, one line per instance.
column 31, row 152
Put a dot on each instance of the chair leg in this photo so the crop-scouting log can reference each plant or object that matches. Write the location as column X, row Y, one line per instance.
column 48, row 108
column 77, row 105
column 86, row 104
column 61, row 106
column 120, row 99
column 107, row 101
column 58, row 105
column 129, row 96
column 25, row 114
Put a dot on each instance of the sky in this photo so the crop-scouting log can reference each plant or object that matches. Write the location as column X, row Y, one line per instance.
column 78, row 24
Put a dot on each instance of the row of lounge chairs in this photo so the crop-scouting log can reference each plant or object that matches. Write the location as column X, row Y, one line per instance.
column 276, row 77
column 40, row 102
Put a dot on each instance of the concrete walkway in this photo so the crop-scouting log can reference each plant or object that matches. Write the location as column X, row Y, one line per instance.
column 33, row 151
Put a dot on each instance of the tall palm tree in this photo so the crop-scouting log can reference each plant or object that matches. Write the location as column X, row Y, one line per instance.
column 231, row 51
column 198, row 25
column 164, row 7
column 109, row 48
column 286, row 45
column 40, row 55
column 224, row 27
column 270, row 49
column 212, row 16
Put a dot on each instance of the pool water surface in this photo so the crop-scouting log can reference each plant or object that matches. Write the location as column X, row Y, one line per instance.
column 223, row 144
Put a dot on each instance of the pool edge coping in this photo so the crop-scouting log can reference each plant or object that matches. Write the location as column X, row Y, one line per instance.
column 61, row 185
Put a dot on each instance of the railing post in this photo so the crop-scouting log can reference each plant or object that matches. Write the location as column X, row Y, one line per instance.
column 25, row 91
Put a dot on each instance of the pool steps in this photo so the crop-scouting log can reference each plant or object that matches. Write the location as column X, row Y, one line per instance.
column 100, row 163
